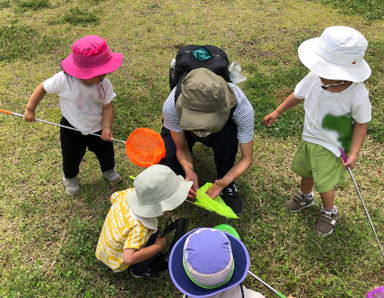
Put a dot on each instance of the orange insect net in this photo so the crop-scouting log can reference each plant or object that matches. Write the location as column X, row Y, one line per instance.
column 145, row 147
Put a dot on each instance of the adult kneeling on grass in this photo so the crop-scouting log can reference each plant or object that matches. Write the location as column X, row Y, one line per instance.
column 218, row 114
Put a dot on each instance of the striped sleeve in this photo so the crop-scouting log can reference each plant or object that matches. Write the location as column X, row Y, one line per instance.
column 171, row 119
column 138, row 237
column 243, row 116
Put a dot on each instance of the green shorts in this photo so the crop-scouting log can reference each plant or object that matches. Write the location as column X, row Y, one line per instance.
column 315, row 161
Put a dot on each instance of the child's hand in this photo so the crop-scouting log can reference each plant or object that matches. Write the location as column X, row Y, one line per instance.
column 106, row 134
column 161, row 242
column 270, row 118
column 350, row 162
column 29, row 115
column 216, row 189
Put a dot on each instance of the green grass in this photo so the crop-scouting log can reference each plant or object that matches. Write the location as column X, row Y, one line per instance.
column 48, row 239
column 19, row 42
column 33, row 4
column 80, row 16
column 369, row 9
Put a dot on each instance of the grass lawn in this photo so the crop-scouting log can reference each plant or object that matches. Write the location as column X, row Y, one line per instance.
column 48, row 239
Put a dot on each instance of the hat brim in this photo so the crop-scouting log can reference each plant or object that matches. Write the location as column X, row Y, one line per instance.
column 331, row 71
column 187, row 287
column 85, row 73
column 154, row 210
column 211, row 122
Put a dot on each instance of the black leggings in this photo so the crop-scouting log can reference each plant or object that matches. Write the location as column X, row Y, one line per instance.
column 74, row 145
column 224, row 144
column 149, row 263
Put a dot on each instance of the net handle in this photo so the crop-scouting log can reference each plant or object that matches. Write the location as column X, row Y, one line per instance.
column 56, row 124
column 75, row 129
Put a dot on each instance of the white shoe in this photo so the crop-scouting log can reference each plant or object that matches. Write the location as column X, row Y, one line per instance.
column 112, row 176
column 71, row 185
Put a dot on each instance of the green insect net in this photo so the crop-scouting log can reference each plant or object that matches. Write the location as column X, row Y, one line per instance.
column 215, row 205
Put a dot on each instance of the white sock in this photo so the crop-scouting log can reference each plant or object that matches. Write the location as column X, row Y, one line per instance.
column 309, row 195
column 333, row 210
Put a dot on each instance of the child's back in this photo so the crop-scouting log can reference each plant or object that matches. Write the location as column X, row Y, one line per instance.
column 129, row 234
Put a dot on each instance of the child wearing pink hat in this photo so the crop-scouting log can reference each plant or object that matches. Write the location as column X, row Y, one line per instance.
column 86, row 104
column 337, row 111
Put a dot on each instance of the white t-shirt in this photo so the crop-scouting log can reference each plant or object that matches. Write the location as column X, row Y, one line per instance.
column 243, row 115
column 319, row 103
column 81, row 105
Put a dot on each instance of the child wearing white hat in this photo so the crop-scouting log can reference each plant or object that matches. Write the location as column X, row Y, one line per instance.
column 337, row 110
column 132, row 219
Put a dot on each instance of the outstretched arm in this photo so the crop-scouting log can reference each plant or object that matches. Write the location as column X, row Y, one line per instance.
column 237, row 170
column 290, row 102
column 184, row 156
column 358, row 135
column 34, row 99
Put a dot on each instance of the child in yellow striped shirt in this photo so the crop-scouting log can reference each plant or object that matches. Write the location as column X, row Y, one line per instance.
column 132, row 218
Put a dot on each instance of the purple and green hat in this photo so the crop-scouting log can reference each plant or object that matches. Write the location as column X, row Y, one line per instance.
column 207, row 261
column 376, row 293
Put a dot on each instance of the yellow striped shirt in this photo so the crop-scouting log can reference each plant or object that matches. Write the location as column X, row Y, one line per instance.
column 120, row 231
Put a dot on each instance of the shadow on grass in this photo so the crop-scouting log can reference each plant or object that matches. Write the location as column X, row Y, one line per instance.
column 24, row 42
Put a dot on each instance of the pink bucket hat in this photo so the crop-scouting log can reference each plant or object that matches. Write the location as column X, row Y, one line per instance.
column 90, row 58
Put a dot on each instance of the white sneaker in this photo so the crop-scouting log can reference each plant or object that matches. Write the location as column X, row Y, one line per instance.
column 71, row 185
column 112, row 176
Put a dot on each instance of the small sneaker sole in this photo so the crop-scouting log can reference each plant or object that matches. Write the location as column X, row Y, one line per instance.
column 158, row 276
column 136, row 276
column 72, row 193
column 117, row 181
column 322, row 234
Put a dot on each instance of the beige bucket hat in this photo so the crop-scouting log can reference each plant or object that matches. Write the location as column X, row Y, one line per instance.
column 157, row 189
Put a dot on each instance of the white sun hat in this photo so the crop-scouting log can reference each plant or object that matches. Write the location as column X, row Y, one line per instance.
column 157, row 189
column 338, row 54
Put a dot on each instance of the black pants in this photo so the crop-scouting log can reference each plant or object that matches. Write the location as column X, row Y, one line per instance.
column 74, row 145
column 152, row 261
column 224, row 144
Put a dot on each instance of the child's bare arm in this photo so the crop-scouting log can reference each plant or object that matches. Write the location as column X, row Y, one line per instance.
column 106, row 134
column 34, row 99
column 358, row 135
column 133, row 256
column 290, row 102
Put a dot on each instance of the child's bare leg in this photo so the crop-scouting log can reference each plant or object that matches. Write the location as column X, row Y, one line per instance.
column 328, row 199
column 306, row 185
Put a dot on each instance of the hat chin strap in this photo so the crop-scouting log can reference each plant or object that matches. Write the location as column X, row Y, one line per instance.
column 335, row 84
